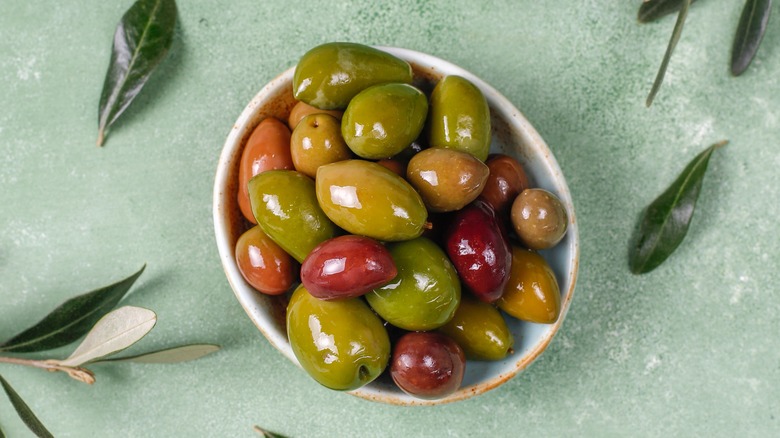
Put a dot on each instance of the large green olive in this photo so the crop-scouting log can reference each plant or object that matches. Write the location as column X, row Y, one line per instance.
column 426, row 291
column 330, row 75
column 383, row 120
column 316, row 141
column 480, row 330
column 368, row 199
column 342, row 344
column 286, row 208
column 459, row 117
column 447, row 179
column 532, row 292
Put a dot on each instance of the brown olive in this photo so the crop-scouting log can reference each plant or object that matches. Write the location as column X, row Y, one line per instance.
column 539, row 218
column 268, row 148
column 507, row 179
column 302, row 109
column 317, row 141
column 447, row 179
column 396, row 165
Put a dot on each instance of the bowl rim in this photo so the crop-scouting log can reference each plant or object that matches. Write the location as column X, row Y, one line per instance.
column 497, row 102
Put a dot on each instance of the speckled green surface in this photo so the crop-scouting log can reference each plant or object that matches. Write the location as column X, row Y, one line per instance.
column 690, row 349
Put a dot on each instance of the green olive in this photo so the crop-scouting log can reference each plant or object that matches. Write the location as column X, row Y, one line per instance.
column 383, row 120
column 446, row 179
column 368, row 199
column 317, row 141
column 285, row 206
column 480, row 330
column 459, row 117
column 425, row 293
column 539, row 218
column 330, row 75
column 342, row 344
column 532, row 292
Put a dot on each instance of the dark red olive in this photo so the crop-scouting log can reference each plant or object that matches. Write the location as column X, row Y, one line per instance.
column 476, row 246
column 427, row 365
column 505, row 181
column 347, row 267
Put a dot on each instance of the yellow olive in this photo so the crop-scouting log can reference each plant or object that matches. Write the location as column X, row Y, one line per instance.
column 532, row 292
column 317, row 141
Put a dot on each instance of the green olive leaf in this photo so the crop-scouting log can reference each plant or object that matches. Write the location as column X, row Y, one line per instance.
column 70, row 320
column 666, row 220
column 141, row 41
column 169, row 355
column 652, row 10
column 24, row 411
column 267, row 434
column 750, row 32
column 114, row 332
column 678, row 28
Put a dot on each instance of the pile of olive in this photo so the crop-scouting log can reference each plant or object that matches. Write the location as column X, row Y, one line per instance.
column 388, row 232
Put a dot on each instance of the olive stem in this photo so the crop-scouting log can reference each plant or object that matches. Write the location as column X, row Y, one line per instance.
column 428, row 225
column 78, row 373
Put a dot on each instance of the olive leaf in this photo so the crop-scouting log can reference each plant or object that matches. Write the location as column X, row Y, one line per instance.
column 141, row 41
column 2, row 435
column 750, row 32
column 169, row 355
column 70, row 320
column 666, row 219
column 652, row 10
column 678, row 28
column 114, row 332
column 267, row 434
column 24, row 411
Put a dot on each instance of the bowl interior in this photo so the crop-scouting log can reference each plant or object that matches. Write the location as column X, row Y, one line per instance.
column 512, row 135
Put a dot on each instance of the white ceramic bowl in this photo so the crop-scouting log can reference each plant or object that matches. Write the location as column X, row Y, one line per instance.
column 512, row 135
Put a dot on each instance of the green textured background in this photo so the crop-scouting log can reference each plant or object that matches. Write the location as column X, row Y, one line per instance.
column 690, row 349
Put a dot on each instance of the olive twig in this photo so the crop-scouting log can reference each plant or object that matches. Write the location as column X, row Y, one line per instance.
column 79, row 373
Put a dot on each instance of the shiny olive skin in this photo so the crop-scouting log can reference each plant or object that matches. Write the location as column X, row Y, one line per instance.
column 539, row 218
column 286, row 208
column 268, row 148
column 427, row 365
column 383, row 120
column 426, row 291
column 506, row 180
column 459, row 117
column 263, row 263
column 330, row 75
column 446, row 179
column 532, row 293
column 394, row 164
column 302, row 109
column 347, row 267
column 365, row 198
column 479, row 251
column 480, row 330
column 341, row 343
column 317, row 141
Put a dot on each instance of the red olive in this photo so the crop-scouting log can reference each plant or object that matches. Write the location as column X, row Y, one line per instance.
column 264, row 264
column 427, row 365
column 506, row 180
column 347, row 267
column 478, row 250
column 268, row 148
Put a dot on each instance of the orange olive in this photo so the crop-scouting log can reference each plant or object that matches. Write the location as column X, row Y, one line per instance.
column 268, row 148
column 264, row 264
column 532, row 292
